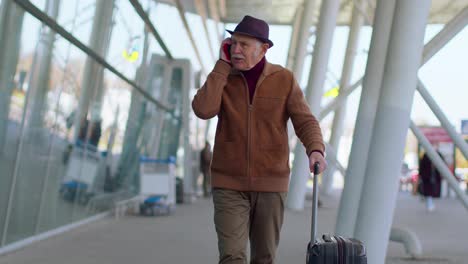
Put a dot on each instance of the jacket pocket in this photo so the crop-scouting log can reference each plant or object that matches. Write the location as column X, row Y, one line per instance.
column 228, row 158
column 273, row 160
column 226, row 150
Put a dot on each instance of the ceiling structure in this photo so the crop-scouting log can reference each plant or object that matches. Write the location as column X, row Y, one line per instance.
column 282, row 12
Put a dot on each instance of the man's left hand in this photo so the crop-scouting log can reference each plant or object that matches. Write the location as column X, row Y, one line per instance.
column 317, row 157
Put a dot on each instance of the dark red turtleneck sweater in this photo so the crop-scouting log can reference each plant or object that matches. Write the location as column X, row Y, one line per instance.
column 252, row 75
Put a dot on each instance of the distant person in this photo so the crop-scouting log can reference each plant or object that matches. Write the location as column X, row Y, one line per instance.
column 430, row 180
column 205, row 161
column 70, row 119
column 83, row 133
column 95, row 133
column 92, row 136
column 253, row 100
column 404, row 177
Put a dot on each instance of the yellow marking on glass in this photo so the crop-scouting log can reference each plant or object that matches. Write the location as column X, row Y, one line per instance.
column 333, row 92
column 132, row 57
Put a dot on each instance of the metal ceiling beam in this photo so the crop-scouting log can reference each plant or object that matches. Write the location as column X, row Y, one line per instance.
column 181, row 10
column 279, row 12
column 214, row 13
column 139, row 9
column 200, row 6
column 222, row 8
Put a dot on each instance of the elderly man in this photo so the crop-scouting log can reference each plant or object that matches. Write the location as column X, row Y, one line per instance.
column 253, row 100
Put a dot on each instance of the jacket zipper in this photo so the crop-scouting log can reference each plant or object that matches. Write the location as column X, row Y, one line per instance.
column 249, row 111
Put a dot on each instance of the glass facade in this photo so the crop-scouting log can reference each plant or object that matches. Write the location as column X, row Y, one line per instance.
column 72, row 130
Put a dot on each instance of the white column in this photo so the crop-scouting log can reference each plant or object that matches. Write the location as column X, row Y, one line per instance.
column 294, row 37
column 349, row 201
column 303, row 38
column 314, row 92
column 11, row 24
column 338, row 120
column 392, row 120
column 298, row 46
column 354, row 178
column 40, row 74
column 189, row 153
column 99, row 42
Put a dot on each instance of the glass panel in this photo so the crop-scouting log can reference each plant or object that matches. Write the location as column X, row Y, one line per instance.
column 7, row 88
column 56, row 206
column 66, row 166
column 172, row 123
column 13, row 100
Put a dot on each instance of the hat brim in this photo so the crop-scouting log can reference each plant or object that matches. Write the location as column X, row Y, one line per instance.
column 253, row 36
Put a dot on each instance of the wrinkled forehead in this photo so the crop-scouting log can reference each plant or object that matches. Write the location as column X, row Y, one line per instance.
column 238, row 37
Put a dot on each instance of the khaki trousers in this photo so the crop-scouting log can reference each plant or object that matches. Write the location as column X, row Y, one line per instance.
column 240, row 216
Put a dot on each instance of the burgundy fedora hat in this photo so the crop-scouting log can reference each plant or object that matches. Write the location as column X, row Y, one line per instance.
column 253, row 27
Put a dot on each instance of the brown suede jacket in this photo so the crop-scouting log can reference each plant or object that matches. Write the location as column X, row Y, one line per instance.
column 251, row 151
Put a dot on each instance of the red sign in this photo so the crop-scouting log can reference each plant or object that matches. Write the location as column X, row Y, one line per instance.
column 436, row 134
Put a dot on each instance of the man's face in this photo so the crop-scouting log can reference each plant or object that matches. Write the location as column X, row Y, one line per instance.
column 246, row 51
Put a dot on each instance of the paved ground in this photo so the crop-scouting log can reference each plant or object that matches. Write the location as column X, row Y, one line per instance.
column 188, row 236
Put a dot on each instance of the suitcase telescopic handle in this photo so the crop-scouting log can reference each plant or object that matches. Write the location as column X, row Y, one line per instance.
column 313, row 228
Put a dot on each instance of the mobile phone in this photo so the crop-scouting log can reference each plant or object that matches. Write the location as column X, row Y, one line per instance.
column 227, row 51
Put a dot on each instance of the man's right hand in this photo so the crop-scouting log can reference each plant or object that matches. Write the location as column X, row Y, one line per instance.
column 224, row 50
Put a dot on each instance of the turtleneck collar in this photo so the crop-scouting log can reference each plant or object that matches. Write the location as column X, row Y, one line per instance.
column 252, row 75
column 256, row 70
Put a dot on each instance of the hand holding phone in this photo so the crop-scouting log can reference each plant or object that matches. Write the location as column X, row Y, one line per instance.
column 225, row 50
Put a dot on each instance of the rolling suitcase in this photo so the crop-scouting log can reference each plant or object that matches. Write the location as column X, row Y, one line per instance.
column 332, row 249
